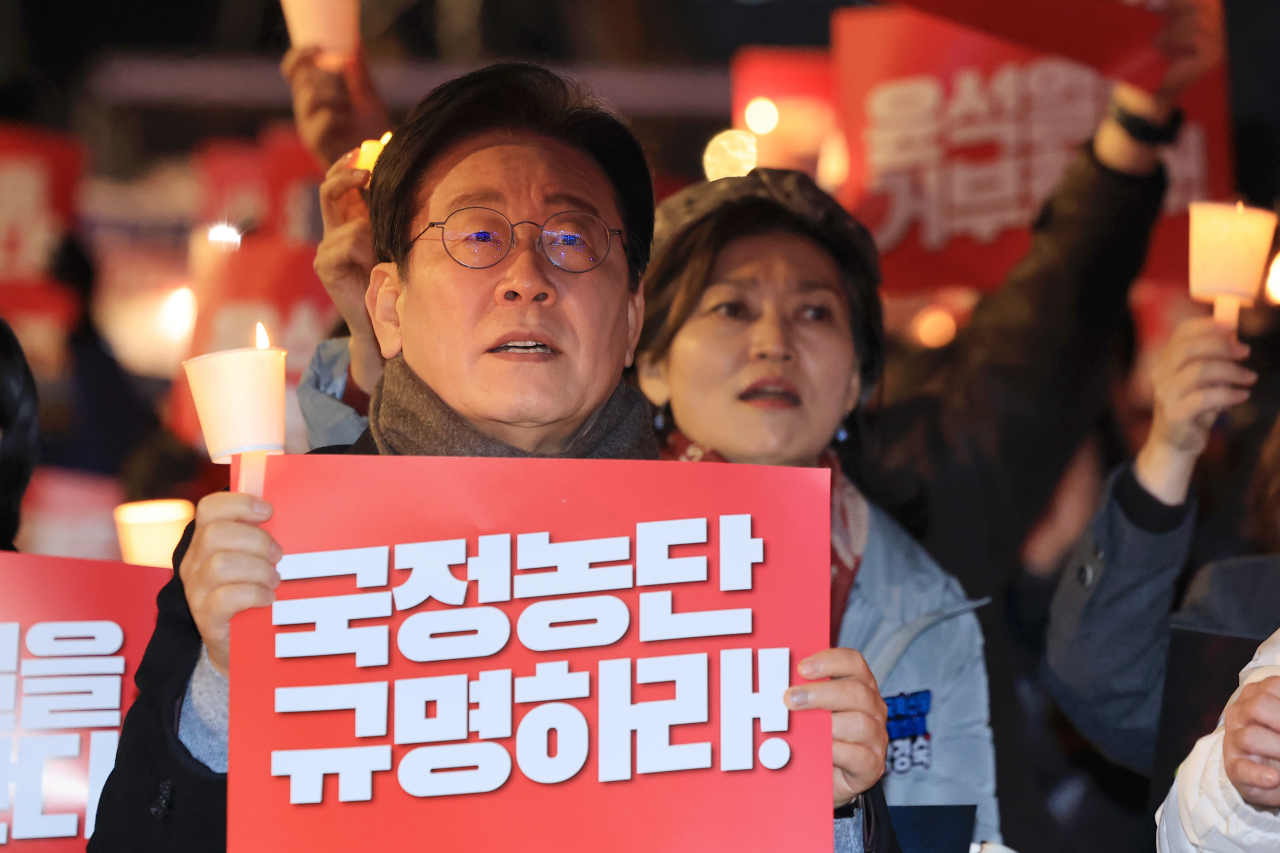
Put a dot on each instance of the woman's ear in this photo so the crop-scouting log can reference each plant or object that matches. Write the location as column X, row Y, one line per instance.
column 652, row 376
column 382, row 299
column 854, row 396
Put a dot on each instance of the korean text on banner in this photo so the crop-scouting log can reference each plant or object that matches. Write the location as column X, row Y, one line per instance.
column 533, row 654
column 72, row 633
column 956, row 138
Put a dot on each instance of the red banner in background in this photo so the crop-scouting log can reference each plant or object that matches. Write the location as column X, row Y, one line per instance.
column 956, row 137
column 1117, row 37
column 72, row 633
column 500, row 628
column 39, row 174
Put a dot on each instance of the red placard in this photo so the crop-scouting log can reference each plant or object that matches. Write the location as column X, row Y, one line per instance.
column 472, row 677
column 72, row 633
column 39, row 173
column 1117, row 37
column 956, row 137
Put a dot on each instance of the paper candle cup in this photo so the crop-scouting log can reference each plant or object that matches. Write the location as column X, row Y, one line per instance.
column 1229, row 248
column 331, row 25
column 150, row 530
column 239, row 396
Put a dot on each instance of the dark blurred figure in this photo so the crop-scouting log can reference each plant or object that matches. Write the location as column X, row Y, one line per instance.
column 93, row 415
column 19, row 432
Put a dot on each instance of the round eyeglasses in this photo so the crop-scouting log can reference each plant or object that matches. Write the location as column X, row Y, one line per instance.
column 478, row 238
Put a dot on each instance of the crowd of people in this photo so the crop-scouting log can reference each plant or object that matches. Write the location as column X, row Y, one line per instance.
column 507, row 288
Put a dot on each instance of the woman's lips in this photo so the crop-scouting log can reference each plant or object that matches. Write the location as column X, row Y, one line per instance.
column 772, row 393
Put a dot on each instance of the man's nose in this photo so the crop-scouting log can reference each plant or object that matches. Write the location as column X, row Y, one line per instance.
column 525, row 279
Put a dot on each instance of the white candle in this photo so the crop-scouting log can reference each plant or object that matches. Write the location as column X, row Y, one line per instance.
column 150, row 530
column 239, row 396
column 331, row 25
column 1229, row 248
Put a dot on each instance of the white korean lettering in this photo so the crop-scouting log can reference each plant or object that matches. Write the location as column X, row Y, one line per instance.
column 8, row 702
column 552, row 681
column 572, row 562
column 369, row 565
column 491, row 568
column 437, row 634
column 904, row 124
column 740, row 706
column 109, row 665
column 72, row 639
column 8, row 775
column 985, row 197
column 492, row 693
column 333, row 634
column 573, row 623
column 29, row 819
column 658, row 622
column 651, row 721
column 738, row 552
column 533, row 743
column 81, row 702
column 654, row 563
column 306, row 769
column 9, row 632
column 414, row 696
column 431, row 578
column 471, row 768
column 367, row 698
column 102, row 760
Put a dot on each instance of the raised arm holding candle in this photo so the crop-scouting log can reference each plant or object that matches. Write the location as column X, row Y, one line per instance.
column 1229, row 248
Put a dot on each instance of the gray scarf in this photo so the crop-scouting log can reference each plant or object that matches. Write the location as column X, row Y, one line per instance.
column 407, row 418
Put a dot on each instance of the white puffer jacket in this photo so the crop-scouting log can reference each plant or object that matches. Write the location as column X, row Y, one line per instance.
column 1204, row 812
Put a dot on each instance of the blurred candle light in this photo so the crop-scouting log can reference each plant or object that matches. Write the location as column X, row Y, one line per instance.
column 178, row 314
column 729, row 154
column 331, row 25
column 224, row 236
column 1229, row 248
column 1273, row 281
column 239, row 397
column 150, row 530
column 370, row 151
column 761, row 115
column 934, row 327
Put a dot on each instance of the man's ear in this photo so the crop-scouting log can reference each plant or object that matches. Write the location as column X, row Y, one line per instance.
column 635, row 324
column 652, row 376
column 382, row 299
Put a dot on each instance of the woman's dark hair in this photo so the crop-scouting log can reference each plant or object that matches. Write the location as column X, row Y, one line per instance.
column 510, row 96
column 674, row 284
column 19, row 432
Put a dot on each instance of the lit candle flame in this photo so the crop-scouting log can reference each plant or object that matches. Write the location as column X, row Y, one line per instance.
column 263, row 341
column 386, row 137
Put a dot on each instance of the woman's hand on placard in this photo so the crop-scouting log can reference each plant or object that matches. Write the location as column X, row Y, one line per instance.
column 344, row 260
column 229, row 567
column 859, row 733
column 1195, row 379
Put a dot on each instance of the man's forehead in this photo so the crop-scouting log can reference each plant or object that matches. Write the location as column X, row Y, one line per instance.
column 499, row 169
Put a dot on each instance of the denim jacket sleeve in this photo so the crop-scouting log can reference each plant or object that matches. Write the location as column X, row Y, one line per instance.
column 1108, row 637
column 328, row 420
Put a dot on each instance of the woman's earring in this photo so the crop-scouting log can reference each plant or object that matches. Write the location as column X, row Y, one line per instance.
column 842, row 436
column 659, row 420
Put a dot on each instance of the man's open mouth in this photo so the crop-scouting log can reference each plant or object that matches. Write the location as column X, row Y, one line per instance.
column 524, row 347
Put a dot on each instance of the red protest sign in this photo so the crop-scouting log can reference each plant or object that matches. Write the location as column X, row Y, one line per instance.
column 504, row 629
column 72, row 633
column 956, row 138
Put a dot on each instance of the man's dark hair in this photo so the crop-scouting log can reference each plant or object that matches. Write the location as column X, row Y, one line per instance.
column 510, row 96
column 19, row 432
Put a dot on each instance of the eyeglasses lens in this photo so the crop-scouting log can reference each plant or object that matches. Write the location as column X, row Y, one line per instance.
column 476, row 238
column 575, row 242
